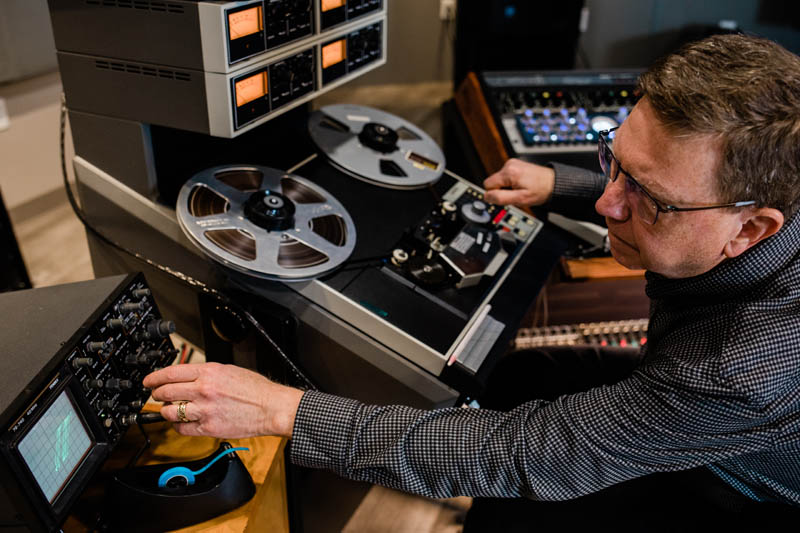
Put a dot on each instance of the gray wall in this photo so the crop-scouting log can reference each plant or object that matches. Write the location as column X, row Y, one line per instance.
column 26, row 39
column 631, row 33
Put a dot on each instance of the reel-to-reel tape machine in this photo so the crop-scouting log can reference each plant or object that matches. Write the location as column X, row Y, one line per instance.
column 377, row 229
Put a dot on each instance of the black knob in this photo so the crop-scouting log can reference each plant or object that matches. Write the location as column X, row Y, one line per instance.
column 94, row 384
column 136, row 404
column 134, row 360
column 116, row 384
column 149, row 355
column 108, row 404
column 140, row 293
column 156, row 329
column 115, row 323
column 82, row 361
column 97, row 346
column 127, row 307
column 160, row 328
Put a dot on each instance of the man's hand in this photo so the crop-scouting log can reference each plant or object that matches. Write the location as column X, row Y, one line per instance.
column 521, row 184
column 224, row 401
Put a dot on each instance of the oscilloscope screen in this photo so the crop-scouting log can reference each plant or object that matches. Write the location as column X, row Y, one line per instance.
column 55, row 446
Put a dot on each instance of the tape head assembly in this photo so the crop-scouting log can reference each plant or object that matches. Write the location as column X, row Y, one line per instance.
column 376, row 146
column 265, row 223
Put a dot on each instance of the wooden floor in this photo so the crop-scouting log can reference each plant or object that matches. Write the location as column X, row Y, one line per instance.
column 53, row 245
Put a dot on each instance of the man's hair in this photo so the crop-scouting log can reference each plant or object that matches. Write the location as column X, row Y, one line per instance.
column 744, row 91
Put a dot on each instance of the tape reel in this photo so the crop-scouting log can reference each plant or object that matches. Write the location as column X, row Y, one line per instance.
column 265, row 223
column 376, row 146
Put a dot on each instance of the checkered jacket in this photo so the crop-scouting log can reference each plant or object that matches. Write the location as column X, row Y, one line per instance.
column 719, row 386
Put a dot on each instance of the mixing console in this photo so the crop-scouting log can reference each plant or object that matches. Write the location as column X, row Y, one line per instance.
column 632, row 333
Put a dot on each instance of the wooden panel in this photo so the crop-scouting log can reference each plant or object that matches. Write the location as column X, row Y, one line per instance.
column 478, row 118
column 598, row 268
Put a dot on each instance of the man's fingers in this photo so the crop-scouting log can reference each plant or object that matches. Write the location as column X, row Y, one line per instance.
column 174, row 392
column 171, row 374
column 497, row 180
column 191, row 412
column 504, row 197
column 189, row 429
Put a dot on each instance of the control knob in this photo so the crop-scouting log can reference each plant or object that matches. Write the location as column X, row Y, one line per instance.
column 81, row 361
column 96, row 346
column 115, row 323
column 476, row 212
column 140, row 293
column 156, row 329
column 116, row 384
column 128, row 307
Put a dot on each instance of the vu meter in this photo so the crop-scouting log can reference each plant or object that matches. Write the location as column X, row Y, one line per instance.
column 245, row 32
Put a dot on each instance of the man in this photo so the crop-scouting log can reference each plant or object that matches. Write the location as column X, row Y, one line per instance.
column 701, row 189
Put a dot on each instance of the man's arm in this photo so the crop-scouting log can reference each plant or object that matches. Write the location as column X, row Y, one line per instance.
column 568, row 190
column 573, row 446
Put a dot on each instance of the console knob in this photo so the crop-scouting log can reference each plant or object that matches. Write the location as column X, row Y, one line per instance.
column 399, row 256
column 116, row 384
column 156, row 329
column 140, row 293
column 476, row 212
column 134, row 360
column 94, row 384
column 115, row 323
column 127, row 307
column 82, row 361
column 108, row 404
column 96, row 346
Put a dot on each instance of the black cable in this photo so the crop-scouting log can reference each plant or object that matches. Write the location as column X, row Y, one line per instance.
column 232, row 306
column 149, row 417
column 135, row 458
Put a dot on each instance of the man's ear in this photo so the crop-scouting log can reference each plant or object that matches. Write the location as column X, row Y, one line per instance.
column 757, row 225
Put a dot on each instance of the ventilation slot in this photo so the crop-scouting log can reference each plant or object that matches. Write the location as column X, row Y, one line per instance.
column 144, row 71
column 144, row 5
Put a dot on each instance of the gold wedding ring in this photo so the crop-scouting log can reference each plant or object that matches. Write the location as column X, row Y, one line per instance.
column 182, row 412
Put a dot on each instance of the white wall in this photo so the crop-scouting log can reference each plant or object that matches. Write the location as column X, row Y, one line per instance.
column 29, row 148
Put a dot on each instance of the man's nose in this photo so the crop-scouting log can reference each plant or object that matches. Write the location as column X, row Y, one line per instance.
column 613, row 203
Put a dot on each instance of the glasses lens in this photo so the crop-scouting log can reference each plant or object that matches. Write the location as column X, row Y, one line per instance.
column 641, row 202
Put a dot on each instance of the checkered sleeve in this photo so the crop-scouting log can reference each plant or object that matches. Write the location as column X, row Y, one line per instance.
column 575, row 192
column 557, row 450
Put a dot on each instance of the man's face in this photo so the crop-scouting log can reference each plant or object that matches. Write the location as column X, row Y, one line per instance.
column 676, row 171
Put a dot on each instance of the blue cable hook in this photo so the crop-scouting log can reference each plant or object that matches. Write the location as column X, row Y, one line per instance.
column 189, row 475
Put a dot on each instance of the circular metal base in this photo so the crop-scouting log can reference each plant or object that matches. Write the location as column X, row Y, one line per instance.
column 417, row 161
column 211, row 212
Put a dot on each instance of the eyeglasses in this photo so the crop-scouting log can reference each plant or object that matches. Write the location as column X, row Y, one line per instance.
column 642, row 202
